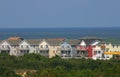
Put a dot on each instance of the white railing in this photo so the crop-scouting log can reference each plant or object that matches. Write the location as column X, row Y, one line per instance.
column 24, row 48
column 66, row 49
column 43, row 48
column 4, row 48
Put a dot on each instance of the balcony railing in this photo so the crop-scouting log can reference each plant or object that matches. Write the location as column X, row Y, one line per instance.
column 81, row 48
column 44, row 49
column 78, row 55
column 65, row 49
column 81, row 53
column 97, row 49
column 4, row 48
column 23, row 52
column 65, row 55
column 24, row 48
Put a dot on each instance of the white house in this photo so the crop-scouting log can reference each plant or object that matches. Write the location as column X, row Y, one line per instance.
column 66, row 50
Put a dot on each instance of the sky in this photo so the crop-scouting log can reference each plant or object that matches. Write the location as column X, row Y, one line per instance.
column 59, row 13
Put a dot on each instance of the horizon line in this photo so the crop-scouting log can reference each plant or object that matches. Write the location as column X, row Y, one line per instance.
column 58, row 27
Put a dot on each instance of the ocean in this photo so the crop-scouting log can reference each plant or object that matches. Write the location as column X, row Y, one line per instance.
column 70, row 33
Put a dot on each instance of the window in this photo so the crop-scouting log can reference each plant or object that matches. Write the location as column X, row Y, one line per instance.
column 62, row 46
column 37, row 51
column 113, row 46
column 68, row 52
column 34, row 51
column 21, row 46
column 27, row 46
column 15, row 51
column 43, row 52
column 40, row 52
column 99, row 52
column 62, row 51
column 8, row 46
column 21, row 51
column 34, row 46
column 117, row 46
column 27, row 51
column 14, row 46
column 2, row 46
column 65, row 52
column 53, row 51
column 46, row 46
column 46, row 52
column 68, row 47
column 41, row 46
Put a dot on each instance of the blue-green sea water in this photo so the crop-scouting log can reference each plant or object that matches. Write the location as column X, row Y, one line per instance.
column 70, row 33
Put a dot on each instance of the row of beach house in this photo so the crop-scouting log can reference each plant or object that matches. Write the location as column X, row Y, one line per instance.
column 86, row 47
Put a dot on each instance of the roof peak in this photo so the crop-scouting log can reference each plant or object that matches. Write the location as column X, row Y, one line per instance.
column 83, row 43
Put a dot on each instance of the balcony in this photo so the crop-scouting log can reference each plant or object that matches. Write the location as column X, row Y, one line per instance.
column 81, row 48
column 24, row 48
column 78, row 55
column 44, row 49
column 65, row 55
column 65, row 49
column 23, row 52
column 77, row 48
column 4, row 48
column 5, row 51
column 81, row 54
column 44, row 53
column 97, row 49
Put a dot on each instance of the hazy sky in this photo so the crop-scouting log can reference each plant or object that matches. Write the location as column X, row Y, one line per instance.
column 59, row 13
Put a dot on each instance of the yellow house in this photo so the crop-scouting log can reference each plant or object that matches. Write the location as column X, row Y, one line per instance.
column 112, row 47
column 50, row 47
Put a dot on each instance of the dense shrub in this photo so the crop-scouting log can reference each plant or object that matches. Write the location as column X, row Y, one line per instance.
column 57, row 67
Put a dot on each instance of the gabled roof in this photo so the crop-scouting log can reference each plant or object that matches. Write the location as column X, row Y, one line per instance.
column 54, row 41
column 11, row 42
column 95, row 42
column 89, row 40
column 112, row 41
column 73, row 41
column 33, row 41
column 14, row 42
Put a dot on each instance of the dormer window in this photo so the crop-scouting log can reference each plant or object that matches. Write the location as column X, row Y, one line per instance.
column 68, row 47
column 8, row 46
column 113, row 46
column 99, row 52
column 21, row 46
column 53, row 51
column 2, row 46
column 34, row 46
column 117, row 46
column 46, row 46
column 41, row 46
column 27, row 46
